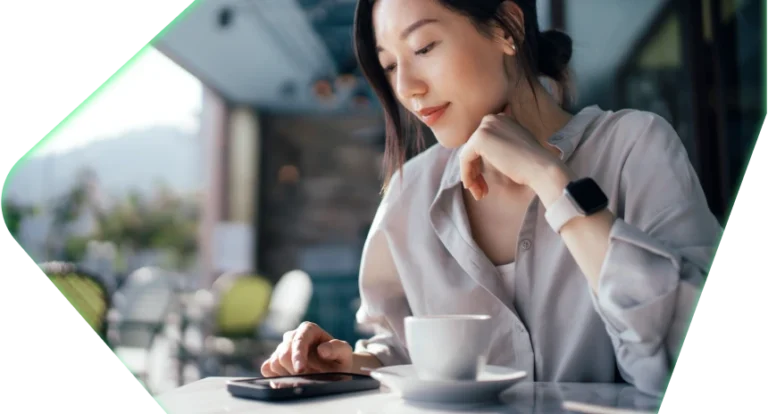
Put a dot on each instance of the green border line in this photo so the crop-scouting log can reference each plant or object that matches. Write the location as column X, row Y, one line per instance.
column 137, row 55
column 740, row 187
column 765, row 63
column 115, row 74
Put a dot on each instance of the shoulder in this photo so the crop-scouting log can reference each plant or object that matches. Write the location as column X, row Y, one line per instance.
column 636, row 131
column 648, row 158
column 634, row 143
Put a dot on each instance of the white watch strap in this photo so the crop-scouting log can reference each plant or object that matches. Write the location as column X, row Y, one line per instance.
column 561, row 212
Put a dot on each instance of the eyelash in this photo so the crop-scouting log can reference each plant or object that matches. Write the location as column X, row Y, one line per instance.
column 423, row 51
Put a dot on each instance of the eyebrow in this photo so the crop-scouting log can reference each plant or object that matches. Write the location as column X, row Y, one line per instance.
column 410, row 29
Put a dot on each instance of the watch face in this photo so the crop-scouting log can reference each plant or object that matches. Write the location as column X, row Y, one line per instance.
column 588, row 195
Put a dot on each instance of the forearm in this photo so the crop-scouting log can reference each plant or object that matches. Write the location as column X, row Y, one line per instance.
column 647, row 291
column 587, row 238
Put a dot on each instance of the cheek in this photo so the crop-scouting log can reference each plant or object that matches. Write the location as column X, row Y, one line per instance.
column 482, row 87
column 474, row 87
column 469, row 75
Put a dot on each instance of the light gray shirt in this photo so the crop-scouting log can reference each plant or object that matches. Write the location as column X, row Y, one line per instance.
column 420, row 259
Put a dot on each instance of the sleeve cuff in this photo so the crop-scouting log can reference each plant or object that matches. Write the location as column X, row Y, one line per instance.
column 639, row 276
column 383, row 350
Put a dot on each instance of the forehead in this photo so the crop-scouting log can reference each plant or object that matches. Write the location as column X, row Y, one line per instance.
column 391, row 17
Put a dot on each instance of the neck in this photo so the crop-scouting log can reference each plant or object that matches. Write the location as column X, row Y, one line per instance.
column 540, row 114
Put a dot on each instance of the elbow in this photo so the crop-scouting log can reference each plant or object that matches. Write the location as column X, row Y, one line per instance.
column 649, row 373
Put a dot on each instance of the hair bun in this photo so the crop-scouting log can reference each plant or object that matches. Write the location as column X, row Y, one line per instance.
column 555, row 50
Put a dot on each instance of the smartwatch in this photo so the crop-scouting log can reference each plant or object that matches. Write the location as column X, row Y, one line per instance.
column 580, row 198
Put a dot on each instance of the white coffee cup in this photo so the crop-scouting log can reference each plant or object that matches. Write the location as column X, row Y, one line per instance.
column 448, row 347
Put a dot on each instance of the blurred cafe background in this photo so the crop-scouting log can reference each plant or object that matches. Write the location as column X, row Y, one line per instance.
column 219, row 191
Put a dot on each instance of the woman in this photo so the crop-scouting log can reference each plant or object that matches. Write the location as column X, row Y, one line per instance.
column 594, row 286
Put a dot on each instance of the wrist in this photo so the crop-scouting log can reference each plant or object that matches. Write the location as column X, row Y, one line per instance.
column 362, row 362
column 550, row 183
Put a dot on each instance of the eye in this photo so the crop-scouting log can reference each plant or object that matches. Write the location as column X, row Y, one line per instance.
column 422, row 51
column 426, row 49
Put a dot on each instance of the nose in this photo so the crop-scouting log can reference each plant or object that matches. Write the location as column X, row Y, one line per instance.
column 409, row 84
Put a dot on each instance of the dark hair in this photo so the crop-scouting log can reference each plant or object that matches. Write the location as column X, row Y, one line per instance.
column 546, row 53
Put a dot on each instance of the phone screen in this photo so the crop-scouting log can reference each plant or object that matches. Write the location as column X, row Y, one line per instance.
column 298, row 380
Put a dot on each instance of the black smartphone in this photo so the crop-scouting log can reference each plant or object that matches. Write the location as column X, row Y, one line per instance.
column 300, row 386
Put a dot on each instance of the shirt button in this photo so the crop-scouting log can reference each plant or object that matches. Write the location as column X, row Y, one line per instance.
column 525, row 244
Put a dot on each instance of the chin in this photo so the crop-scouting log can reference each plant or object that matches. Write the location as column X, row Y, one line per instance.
column 451, row 140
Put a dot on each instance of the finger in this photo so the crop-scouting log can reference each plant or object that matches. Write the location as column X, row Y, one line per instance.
column 306, row 336
column 288, row 336
column 277, row 368
column 482, row 188
column 479, row 191
column 283, row 355
column 480, row 183
column 333, row 350
column 477, row 184
column 266, row 370
column 469, row 171
column 477, row 188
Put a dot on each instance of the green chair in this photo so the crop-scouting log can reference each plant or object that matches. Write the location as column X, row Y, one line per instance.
column 84, row 290
column 230, row 323
column 242, row 303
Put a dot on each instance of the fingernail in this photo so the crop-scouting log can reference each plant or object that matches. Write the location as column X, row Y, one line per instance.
column 297, row 366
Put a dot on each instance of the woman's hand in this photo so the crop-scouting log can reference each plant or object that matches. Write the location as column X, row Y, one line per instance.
column 308, row 349
column 501, row 143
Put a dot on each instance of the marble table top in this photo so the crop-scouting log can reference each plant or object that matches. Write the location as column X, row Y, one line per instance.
column 209, row 396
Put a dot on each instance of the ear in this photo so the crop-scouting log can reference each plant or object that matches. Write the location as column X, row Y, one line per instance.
column 512, row 16
column 507, row 43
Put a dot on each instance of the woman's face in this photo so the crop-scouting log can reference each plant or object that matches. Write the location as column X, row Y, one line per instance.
column 440, row 67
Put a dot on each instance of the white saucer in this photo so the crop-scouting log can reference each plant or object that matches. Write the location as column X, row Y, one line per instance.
column 403, row 380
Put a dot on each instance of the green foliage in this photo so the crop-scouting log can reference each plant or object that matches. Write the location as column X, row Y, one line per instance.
column 74, row 248
column 163, row 221
column 13, row 214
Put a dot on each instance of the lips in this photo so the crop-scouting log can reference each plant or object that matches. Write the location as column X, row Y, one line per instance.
column 431, row 115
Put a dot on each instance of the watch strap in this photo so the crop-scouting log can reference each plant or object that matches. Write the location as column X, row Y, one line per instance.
column 561, row 212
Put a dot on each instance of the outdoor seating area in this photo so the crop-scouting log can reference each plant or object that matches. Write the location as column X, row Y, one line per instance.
column 191, row 242
column 169, row 334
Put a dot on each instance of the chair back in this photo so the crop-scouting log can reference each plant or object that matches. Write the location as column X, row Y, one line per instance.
column 146, row 296
column 84, row 290
column 289, row 303
column 242, row 301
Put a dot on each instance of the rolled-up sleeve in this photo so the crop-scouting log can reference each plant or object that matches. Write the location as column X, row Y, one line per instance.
column 383, row 303
column 660, row 252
